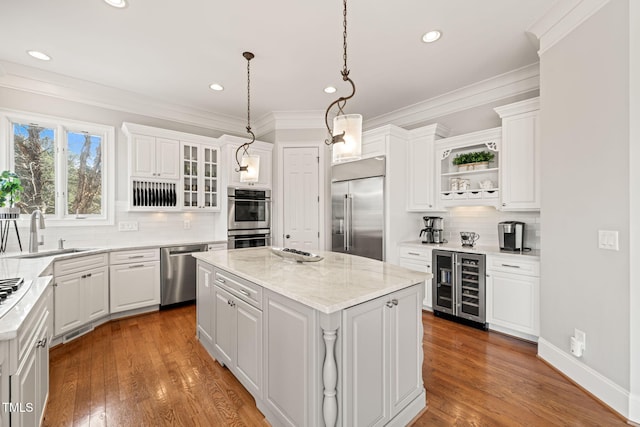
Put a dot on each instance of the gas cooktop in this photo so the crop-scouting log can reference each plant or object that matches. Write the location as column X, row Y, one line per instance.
column 11, row 290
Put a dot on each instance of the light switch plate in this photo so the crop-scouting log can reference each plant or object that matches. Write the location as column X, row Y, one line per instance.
column 128, row 226
column 608, row 239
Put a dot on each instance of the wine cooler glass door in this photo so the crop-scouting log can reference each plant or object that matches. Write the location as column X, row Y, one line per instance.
column 444, row 295
column 471, row 277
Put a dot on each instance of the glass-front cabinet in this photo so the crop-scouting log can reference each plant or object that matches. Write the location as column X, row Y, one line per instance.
column 200, row 180
column 467, row 169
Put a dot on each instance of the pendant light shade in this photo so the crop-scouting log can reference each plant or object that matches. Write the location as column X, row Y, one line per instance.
column 252, row 174
column 350, row 127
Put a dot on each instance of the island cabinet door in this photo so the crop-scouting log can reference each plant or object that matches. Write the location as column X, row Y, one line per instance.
column 366, row 364
column 224, row 335
column 382, row 357
column 248, row 363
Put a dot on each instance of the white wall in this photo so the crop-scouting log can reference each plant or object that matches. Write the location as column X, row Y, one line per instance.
column 584, row 92
column 153, row 227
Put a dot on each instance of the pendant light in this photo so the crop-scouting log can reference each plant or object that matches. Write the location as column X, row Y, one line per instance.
column 249, row 166
column 346, row 136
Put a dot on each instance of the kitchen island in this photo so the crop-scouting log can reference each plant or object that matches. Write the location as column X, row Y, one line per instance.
column 334, row 342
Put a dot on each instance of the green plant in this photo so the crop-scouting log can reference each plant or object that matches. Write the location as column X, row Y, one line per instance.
column 473, row 157
column 10, row 189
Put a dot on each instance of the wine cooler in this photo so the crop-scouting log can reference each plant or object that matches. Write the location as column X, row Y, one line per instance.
column 459, row 285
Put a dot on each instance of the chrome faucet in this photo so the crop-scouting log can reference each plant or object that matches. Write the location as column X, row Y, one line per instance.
column 33, row 231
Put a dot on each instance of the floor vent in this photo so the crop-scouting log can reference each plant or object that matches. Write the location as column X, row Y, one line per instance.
column 77, row 333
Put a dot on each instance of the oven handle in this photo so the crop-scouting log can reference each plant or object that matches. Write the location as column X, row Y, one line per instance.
column 251, row 200
column 235, row 239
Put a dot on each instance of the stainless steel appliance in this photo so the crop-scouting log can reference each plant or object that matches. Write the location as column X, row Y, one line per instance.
column 357, row 208
column 248, row 209
column 432, row 231
column 511, row 235
column 237, row 239
column 459, row 285
column 178, row 273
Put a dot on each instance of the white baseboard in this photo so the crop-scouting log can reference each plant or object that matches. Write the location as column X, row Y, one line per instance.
column 610, row 393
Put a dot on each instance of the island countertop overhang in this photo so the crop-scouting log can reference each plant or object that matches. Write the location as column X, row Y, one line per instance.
column 337, row 282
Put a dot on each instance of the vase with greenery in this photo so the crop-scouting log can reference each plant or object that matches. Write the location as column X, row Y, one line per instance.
column 473, row 160
column 10, row 190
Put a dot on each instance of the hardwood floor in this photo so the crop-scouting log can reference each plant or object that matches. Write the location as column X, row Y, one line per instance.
column 150, row 370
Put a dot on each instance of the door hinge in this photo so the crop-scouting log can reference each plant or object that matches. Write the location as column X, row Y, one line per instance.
column 318, row 159
column 318, row 199
column 318, row 234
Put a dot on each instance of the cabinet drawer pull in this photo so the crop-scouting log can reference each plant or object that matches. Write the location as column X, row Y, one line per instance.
column 136, row 256
column 414, row 253
column 243, row 292
column 389, row 304
column 394, row 301
column 136, row 266
column 511, row 266
column 220, row 280
column 41, row 343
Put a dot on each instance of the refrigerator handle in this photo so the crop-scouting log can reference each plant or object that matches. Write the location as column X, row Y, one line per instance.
column 350, row 225
column 347, row 221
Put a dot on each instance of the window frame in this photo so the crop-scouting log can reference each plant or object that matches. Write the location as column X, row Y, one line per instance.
column 61, row 126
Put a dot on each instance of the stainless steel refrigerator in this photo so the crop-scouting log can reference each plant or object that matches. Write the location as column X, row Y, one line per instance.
column 357, row 201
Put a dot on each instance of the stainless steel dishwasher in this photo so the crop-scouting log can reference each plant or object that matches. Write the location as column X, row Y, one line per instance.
column 178, row 273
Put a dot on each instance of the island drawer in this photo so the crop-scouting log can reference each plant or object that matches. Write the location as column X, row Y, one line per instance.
column 244, row 289
column 512, row 264
column 136, row 255
column 79, row 263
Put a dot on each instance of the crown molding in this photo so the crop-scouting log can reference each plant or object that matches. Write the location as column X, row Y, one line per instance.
column 435, row 130
column 516, row 82
column 520, row 107
column 562, row 19
column 279, row 120
column 33, row 80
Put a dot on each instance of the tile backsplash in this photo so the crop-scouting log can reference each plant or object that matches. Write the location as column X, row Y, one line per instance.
column 484, row 221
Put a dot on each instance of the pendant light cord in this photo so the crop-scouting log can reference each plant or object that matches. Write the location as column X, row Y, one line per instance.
column 245, row 147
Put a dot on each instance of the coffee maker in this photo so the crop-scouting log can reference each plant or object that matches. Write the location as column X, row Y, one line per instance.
column 432, row 231
column 511, row 235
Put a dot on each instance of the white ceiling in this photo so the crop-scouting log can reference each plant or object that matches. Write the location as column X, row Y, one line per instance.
column 170, row 51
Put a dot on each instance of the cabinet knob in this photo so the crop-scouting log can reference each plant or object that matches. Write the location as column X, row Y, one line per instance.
column 389, row 304
column 504, row 204
column 287, row 236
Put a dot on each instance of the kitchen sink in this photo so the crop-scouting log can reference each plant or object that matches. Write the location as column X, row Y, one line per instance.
column 52, row 253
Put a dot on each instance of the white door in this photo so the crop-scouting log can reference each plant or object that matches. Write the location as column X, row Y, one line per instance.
column 301, row 197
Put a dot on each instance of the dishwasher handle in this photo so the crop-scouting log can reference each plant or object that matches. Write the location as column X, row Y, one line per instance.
column 184, row 251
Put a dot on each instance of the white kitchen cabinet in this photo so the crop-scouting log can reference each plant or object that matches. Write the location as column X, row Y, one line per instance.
column 421, row 177
column 378, row 379
column 468, row 185
column 418, row 259
column 154, row 157
column 513, row 296
column 204, row 305
column 259, row 148
column 134, row 279
column 29, row 366
column 81, row 288
column 237, row 328
column 520, row 165
column 200, row 180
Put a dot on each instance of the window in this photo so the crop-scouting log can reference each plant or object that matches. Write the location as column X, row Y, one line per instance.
column 63, row 166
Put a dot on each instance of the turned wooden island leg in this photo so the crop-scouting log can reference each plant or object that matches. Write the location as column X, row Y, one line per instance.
column 330, row 379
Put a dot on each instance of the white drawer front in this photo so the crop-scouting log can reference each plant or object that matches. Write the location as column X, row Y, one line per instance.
column 512, row 264
column 418, row 254
column 79, row 263
column 136, row 255
column 249, row 292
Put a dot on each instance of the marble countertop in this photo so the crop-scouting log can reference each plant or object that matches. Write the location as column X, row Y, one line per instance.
column 477, row 249
column 337, row 282
column 31, row 270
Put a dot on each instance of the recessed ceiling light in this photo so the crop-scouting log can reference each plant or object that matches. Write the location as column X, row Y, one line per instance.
column 431, row 36
column 330, row 89
column 116, row 3
column 216, row 87
column 39, row 55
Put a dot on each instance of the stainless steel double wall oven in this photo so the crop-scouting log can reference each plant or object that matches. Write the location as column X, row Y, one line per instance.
column 249, row 218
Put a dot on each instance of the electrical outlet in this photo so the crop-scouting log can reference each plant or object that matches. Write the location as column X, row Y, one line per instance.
column 608, row 240
column 128, row 226
column 581, row 337
column 187, row 224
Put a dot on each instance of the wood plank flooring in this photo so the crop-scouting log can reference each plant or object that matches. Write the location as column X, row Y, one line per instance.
column 150, row 370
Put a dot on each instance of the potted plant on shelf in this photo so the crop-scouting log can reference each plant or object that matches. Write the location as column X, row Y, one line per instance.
column 10, row 190
column 473, row 161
